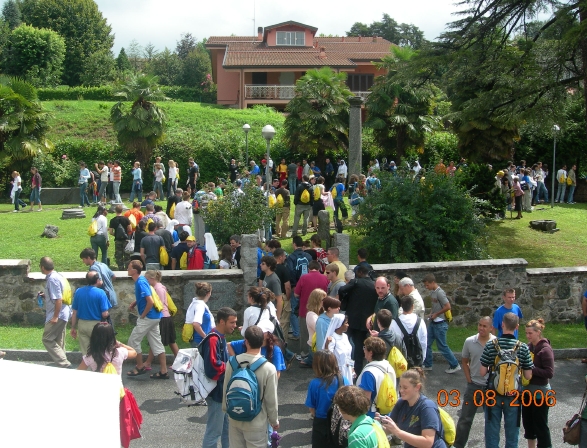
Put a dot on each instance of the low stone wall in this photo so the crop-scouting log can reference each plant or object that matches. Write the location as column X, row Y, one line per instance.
column 475, row 287
column 18, row 296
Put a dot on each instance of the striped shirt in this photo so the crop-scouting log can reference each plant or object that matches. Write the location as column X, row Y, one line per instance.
column 507, row 342
column 362, row 434
column 116, row 174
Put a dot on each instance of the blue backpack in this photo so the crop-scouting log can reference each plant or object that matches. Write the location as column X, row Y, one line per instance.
column 243, row 402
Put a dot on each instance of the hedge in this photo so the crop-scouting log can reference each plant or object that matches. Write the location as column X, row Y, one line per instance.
column 104, row 93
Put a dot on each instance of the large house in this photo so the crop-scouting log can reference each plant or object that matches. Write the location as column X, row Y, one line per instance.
column 263, row 69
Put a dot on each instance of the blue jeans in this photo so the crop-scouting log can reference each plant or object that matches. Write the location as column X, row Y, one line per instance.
column 560, row 197
column 216, row 426
column 35, row 196
column 171, row 187
column 292, row 184
column 137, row 191
column 541, row 191
column 293, row 319
column 17, row 201
column 493, row 423
column 571, row 198
column 99, row 242
column 437, row 332
column 158, row 188
column 83, row 197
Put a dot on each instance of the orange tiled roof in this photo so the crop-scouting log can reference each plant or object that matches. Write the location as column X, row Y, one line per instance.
column 340, row 52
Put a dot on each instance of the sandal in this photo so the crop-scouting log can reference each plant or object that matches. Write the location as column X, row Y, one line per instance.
column 160, row 376
column 136, row 372
column 147, row 368
column 304, row 365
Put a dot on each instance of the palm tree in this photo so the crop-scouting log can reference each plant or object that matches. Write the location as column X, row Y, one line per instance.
column 398, row 111
column 318, row 117
column 140, row 127
column 23, row 123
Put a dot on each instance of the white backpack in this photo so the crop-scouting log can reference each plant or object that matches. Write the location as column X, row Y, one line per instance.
column 193, row 386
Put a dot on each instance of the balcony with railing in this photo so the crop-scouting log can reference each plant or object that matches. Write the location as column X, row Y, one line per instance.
column 277, row 92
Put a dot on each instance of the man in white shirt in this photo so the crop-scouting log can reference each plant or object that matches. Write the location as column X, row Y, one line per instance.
column 561, row 178
column 409, row 319
column 183, row 212
column 103, row 170
column 407, row 288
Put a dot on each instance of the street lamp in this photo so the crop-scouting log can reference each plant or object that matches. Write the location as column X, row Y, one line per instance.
column 555, row 129
column 247, row 128
column 268, row 133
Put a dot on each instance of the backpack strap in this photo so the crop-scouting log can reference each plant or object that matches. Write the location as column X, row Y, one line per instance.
column 234, row 363
column 261, row 311
column 402, row 328
column 258, row 363
column 417, row 326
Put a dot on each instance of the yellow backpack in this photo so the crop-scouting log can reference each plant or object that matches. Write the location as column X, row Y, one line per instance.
column 109, row 369
column 187, row 332
column 562, row 179
column 333, row 191
column 157, row 304
column 172, row 211
column 386, row 395
column 569, row 181
column 183, row 261
column 317, row 193
column 93, row 229
column 305, row 196
column 67, row 293
column 171, row 307
column 448, row 424
column 272, row 201
column 279, row 200
column 397, row 361
column 314, row 348
column 163, row 256
column 526, row 382
column 382, row 441
column 133, row 221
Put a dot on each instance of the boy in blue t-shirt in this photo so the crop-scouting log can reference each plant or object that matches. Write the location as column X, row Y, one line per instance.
column 509, row 297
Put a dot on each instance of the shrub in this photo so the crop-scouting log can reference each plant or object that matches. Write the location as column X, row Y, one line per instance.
column 479, row 180
column 417, row 221
column 237, row 215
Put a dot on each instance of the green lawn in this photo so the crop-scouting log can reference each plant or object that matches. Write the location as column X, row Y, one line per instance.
column 29, row 338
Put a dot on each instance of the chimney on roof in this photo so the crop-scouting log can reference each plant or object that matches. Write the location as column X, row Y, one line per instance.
column 359, row 38
column 342, row 39
column 322, row 53
column 260, row 33
column 374, row 38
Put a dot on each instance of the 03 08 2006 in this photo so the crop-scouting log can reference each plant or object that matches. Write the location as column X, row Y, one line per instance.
column 490, row 398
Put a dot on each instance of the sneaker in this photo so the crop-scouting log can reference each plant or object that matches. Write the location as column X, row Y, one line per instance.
column 14, row 211
column 453, row 370
column 427, row 368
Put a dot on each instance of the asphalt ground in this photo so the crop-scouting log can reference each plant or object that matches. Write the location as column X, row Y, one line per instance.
column 168, row 423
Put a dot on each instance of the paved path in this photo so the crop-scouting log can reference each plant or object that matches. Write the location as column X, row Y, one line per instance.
column 167, row 423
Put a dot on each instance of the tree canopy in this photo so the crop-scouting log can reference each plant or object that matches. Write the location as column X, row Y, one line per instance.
column 400, row 34
column 79, row 22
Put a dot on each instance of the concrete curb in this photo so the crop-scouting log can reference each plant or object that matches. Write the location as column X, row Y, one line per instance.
column 76, row 357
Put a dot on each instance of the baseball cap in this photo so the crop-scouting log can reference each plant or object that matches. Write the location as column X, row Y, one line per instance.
column 191, row 238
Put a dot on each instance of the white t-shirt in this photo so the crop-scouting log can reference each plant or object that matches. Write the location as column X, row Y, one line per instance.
column 252, row 314
column 116, row 362
column 104, row 174
column 342, row 349
column 408, row 321
column 102, row 225
column 183, row 213
column 16, row 184
column 196, row 312
column 158, row 175
column 311, row 318
column 172, row 173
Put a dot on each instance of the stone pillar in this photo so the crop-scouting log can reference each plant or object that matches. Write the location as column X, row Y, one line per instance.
column 355, row 141
column 324, row 226
column 343, row 242
column 249, row 245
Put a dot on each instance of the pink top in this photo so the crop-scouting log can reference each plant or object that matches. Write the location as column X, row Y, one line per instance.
column 116, row 362
column 517, row 189
column 162, row 293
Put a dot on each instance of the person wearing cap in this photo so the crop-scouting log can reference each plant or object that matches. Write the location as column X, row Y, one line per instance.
column 498, row 178
column 186, row 242
column 392, row 167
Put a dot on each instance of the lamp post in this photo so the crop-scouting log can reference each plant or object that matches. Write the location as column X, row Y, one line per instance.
column 268, row 133
column 555, row 129
column 246, row 128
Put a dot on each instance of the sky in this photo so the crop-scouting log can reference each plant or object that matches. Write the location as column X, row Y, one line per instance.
column 162, row 22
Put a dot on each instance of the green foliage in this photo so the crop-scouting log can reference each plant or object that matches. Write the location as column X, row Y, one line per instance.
column 57, row 171
column 79, row 22
column 439, row 145
column 35, row 54
column 23, row 123
column 167, row 67
column 98, row 69
column 185, row 45
column 196, row 65
column 400, row 34
column 413, row 221
column 11, row 14
column 237, row 214
column 122, row 62
column 140, row 127
column 318, row 117
column 400, row 111
column 479, row 181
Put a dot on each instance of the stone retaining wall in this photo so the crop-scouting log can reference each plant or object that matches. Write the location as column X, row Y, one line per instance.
column 18, row 295
column 474, row 288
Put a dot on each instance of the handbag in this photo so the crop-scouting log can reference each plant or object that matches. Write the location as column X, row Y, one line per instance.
column 130, row 246
column 572, row 429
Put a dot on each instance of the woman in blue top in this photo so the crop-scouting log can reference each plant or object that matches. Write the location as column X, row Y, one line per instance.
column 321, row 392
column 415, row 418
column 84, row 177
column 337, row 191
column 137, row 183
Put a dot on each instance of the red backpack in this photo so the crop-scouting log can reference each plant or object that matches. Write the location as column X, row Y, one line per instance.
column 195, row 259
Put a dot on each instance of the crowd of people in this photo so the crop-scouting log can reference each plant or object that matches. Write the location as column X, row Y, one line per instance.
column 349, row 323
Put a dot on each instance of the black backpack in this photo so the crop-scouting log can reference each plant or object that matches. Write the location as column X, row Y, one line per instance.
column 414, row 354
column 120, row 234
